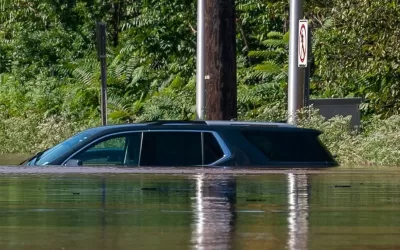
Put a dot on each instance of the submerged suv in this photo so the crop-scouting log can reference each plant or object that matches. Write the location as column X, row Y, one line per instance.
column 191, row 143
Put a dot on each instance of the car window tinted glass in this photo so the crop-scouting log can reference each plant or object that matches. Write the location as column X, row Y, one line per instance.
column 116, row 150
column 118, row 142
column 171, row 149
column 54, row 152
column 212, row 149
column 289, row 146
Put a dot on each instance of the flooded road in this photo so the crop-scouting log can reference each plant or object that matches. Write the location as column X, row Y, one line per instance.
column 104, row 208
column 13, row 159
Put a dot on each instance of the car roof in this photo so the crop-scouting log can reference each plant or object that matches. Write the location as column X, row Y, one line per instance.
column 195, row 124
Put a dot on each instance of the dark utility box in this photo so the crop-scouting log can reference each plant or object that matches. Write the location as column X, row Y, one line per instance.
column 330, row 107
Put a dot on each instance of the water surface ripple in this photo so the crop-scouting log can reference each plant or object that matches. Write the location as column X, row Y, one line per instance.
column 169, row 208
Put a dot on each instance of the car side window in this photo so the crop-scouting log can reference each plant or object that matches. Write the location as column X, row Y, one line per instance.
column 289, row 146
column 171, row 149
column 115, row 150
column 118, row 142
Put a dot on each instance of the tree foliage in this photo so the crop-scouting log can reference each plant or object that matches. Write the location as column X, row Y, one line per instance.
column 49, row 67
column 357, row 54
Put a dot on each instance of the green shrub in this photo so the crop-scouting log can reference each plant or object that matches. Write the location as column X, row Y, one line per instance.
column 380, row 143
column 32, row 133
column 376, row 142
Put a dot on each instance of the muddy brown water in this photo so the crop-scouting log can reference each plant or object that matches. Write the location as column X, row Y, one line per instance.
column 12, row 159
column 170, row 208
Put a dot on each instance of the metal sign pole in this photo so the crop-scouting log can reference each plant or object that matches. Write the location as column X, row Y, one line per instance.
column 101, row 53
column 200, row 85
column 296, row 74
column 308, row 71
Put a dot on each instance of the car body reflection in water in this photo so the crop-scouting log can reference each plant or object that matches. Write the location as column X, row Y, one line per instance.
column 214, row 212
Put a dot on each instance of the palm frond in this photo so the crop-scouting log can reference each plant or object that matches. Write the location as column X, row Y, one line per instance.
column 269, row 66
column 264, row 54
column 275, row 35
column 274, row 43
column 166, row 82
column 137, row 74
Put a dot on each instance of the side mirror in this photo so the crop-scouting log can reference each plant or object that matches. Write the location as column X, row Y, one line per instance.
column 73, row 163
column 334, row 156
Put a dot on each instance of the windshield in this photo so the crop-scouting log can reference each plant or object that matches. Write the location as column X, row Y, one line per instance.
column 53, row 153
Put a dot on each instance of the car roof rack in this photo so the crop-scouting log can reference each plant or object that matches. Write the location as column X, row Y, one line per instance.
column 250, row 123
column 217, row 122
column 176, row 122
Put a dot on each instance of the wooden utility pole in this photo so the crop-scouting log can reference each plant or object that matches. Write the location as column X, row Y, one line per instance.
column 220, row 60
column 101, row 53
column 116, row 19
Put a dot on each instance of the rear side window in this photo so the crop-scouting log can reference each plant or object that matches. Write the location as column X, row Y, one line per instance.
column 289, row 146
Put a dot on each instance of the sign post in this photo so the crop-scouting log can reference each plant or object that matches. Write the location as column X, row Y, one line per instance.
column 295, row 73
column 200, row 61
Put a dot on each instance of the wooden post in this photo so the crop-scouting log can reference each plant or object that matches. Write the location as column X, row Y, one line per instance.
column 220, row 60
column 116, row 19
column 101, row 53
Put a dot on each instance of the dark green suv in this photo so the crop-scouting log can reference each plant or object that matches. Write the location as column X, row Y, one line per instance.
column 191, row 143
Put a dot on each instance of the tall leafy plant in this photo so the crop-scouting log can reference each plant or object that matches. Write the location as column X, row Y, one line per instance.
column 263, row 84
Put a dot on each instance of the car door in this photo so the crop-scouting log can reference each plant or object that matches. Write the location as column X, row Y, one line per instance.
column 120, row 149
column 171, row 148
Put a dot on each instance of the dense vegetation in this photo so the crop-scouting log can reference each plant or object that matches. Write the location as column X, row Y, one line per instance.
column 49, row 72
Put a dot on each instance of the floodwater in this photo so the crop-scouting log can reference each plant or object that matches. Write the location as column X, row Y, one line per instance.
column 105, row 208
column 12, row 159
